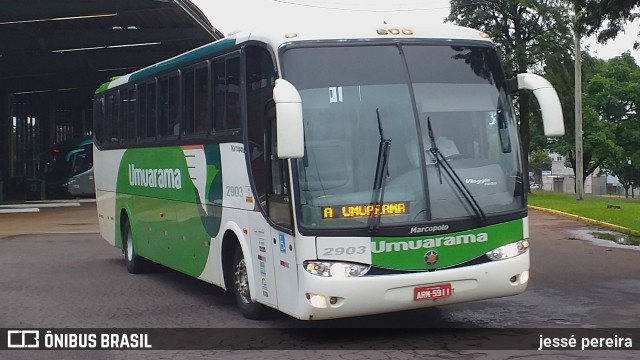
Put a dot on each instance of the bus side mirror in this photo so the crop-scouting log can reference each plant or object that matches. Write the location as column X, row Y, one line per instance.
column 289, row 126
column 548, row 100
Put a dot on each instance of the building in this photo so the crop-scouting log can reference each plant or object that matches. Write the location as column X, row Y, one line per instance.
column 562, row 179
column 55, row 54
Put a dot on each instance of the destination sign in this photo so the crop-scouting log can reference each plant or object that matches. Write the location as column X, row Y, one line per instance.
column 364, row 210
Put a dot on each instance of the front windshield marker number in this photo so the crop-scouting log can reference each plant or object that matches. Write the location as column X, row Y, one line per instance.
column 335, row 94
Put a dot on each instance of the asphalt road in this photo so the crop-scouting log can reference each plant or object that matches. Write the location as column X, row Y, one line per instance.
column 79, row 281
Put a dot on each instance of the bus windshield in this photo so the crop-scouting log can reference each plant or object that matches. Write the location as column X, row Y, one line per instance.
column 55, row 166
column 350, row 93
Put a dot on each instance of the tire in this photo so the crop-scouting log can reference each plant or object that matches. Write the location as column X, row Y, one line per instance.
column 135, row 264
column 248, row 308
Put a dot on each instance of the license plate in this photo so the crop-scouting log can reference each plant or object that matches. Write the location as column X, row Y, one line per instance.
column 432, row 292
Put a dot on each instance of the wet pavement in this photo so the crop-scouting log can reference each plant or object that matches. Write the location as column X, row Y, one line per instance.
column 55, row 278
column 51, row 218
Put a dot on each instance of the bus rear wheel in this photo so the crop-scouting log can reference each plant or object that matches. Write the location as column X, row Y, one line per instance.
column 248, row 308
column 135, row 264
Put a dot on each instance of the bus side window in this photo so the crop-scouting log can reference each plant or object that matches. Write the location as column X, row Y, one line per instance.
column 219, row 88
column 168, row 103
column 226, row 93
column 278, row 202
column 151, row 110
column 174, row 105
column 233, row 113
column 142, row 111
column 88, row 150
column 108, row 119
column 81, row 163
column 201, row 99
column 124, row 119
column 260, row 80
column 131, row 122
column 163, row 106
column 195, row 101
column 115, row 118
column 269, row 173
column 98, row 122
column 187, row 100
column 127, row 115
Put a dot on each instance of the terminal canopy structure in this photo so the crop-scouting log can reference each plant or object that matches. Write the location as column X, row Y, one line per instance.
column 55, row 54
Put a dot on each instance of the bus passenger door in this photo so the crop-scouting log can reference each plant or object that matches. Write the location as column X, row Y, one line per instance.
column 280, row 216
column 277, row 278
column 285, row 270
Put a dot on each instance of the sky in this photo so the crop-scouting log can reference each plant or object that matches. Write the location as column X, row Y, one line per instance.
column 232, row 15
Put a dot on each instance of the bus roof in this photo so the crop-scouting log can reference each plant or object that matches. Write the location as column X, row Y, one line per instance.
column 279, row 34
column 276, row 35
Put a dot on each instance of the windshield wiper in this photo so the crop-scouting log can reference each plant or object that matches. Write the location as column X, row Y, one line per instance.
column 434, row 147
column 380, row 179
column 441, row 160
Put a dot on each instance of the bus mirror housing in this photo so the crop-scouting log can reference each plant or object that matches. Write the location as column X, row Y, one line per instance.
column 289, row 126
column 549, row 102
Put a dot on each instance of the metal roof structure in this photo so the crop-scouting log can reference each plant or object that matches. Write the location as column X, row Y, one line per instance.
column 48, row 45
column 55, row 54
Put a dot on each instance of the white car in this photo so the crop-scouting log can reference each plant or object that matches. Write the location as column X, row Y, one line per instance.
column 534, row 186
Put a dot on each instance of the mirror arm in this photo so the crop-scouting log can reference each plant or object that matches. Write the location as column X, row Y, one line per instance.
column 547, row 97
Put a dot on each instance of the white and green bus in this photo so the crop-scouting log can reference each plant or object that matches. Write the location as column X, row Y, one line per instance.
column 67, row 169
column 326, row 172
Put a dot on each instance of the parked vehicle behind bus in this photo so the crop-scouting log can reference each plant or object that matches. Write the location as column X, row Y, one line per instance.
column 67, row 169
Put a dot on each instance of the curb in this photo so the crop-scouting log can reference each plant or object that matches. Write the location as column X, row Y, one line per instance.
column 19, row 210
column 619, row 228
column 40, row 205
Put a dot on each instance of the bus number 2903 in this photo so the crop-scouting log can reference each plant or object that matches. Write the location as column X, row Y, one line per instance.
column 351, row 250
column 234, row 191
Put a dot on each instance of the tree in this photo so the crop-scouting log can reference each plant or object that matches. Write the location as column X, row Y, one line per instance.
column 611, row 96
column 539, row 161
column 525, row 32
column 612, row 14
column 627, row 166
column 626, row 173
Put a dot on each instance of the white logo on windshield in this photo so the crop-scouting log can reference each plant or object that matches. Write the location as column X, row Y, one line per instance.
column 485, row 182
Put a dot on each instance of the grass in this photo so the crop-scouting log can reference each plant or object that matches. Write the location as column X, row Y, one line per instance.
column 593, row 207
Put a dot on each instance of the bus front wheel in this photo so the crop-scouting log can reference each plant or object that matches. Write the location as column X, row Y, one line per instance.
column 135, row 264
column 248, row 308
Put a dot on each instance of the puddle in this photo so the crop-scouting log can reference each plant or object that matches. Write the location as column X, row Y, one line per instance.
column 608, row 238
column 618, row 238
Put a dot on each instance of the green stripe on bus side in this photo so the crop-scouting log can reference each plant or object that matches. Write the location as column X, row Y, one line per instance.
column 106, row 85
column 170, row 224
column 197, row 53
column 410, row 253
column 103, row 87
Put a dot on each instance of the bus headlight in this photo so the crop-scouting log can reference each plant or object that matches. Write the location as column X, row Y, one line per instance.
column 335, row 269
column 508, row 251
